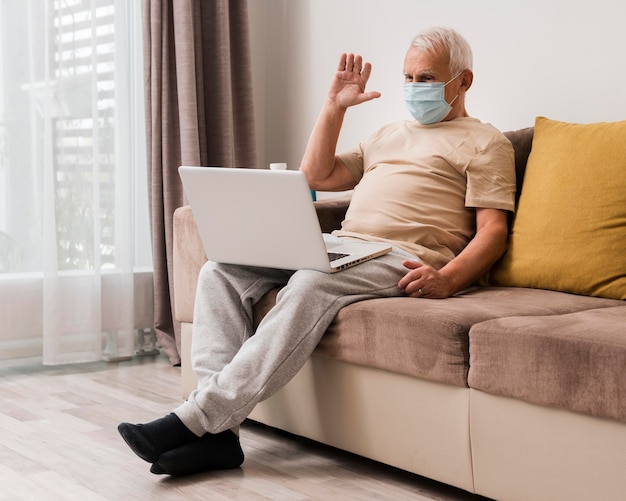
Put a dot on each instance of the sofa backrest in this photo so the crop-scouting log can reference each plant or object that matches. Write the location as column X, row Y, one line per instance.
column 522, row 140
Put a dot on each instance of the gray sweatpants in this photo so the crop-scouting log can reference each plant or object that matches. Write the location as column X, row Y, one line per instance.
column 236, row 369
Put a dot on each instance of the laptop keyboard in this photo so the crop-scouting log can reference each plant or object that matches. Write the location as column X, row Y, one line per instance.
column 333, row 256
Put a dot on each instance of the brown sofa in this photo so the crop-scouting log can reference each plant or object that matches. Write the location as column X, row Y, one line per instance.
column 511, row 393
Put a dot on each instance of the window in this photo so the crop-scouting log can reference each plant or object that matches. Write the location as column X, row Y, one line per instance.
column 73, row 196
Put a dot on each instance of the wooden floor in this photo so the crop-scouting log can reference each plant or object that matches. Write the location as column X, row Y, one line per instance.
column 58, row 441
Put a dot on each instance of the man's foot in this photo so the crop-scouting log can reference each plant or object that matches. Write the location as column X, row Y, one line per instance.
column 209, row 452
column 152, row 439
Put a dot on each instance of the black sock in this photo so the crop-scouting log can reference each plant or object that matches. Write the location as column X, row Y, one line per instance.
column 152, row 439
column 210, row 452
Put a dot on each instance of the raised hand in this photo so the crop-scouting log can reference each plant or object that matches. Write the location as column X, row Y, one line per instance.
column 347, row 87
column 324, row 170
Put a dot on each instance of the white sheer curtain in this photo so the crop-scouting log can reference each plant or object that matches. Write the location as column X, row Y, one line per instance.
column 72, row 178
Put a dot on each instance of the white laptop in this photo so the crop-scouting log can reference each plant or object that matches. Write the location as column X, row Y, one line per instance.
column 265, row 218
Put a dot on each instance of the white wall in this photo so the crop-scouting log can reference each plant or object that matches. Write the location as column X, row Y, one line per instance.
column 556, row 58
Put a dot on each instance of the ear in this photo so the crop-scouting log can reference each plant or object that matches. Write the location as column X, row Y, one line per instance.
column 467, row 77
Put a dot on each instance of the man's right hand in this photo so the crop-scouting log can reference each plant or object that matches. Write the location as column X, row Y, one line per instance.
column 348, row 85
column 324, row 170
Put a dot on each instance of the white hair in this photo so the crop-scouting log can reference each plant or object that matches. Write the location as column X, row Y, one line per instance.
column 447, row 41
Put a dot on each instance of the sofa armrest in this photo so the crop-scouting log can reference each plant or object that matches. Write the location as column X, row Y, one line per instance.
column 189, row 257
column 331, row 212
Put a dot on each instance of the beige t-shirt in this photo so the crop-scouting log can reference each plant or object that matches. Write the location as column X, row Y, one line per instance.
column 418, row 186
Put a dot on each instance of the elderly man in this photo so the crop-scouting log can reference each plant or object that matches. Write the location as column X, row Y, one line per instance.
column 437, row 188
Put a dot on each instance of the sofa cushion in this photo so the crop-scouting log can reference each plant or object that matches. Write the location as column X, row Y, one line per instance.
column 575, row 361
column 570, row 228
column 430, row 338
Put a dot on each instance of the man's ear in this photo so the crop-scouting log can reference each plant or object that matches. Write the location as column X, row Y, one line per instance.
column 467, row 77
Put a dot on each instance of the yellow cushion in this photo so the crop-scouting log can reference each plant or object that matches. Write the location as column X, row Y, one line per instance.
column 569, row 232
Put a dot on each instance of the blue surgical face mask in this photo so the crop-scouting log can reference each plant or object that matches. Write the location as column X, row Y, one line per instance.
column 426, row 101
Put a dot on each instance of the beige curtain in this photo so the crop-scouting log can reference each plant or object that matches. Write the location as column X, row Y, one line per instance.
column 199, row 111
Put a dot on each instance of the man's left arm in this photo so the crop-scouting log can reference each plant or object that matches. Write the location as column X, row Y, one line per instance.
column 479, row 255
